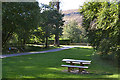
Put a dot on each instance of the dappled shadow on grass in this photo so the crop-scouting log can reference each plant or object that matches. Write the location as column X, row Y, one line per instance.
column 31, row 70
column 101, row 74
column 48, row 65
column 51, row 72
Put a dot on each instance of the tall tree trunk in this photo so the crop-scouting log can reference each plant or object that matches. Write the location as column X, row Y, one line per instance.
column 56, row 41
column 24, row 42
column 6, row 39
column 46, row 42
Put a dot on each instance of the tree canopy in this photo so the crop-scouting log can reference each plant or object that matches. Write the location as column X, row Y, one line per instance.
column 24, row 22
column 74, row 32
column 19, row 18
column 102, row 23
column 51, row 22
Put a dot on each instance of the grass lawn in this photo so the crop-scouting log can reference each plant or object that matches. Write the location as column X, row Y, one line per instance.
column 48, row 65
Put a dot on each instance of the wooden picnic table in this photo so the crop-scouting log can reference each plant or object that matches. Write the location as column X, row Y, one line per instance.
column 72, row 63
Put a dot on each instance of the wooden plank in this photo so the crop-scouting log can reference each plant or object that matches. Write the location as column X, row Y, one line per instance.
column 77, row 62
column 86, row 63
column 67, row 59
column 72, row 66
column 72, row 60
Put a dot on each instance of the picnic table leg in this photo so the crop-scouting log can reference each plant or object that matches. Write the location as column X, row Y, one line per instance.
column 80, row 70
column 69, row 69
column 72, row 64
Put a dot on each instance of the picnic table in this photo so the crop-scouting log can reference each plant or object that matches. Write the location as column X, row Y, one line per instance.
column 72, row 64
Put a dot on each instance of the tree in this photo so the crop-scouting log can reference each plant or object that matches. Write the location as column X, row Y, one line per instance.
column 51, row 23
column 54, row 4
column 57, row 28
column 74, row 32
column 101, row 20
column 18, row 18
column 47, row 22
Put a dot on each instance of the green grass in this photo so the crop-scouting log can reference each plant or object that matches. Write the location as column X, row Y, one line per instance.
column 48, row 65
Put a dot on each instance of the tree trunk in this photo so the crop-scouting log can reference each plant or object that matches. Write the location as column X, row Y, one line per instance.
column 46, row 42
column 7, row 38
column 56, row 41
column 24, row 42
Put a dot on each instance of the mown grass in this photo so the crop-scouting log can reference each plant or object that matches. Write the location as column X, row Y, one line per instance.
column 48, row 65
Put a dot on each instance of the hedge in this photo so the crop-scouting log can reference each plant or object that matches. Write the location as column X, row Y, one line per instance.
column 62, row 42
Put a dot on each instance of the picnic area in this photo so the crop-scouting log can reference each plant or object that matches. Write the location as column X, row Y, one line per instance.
column 48, row 65
column 60, row 39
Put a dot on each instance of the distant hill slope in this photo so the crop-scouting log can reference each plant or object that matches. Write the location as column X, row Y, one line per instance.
column 72, row 15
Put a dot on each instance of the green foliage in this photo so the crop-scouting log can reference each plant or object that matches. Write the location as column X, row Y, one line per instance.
column 59, row 22
column 53, row 4
column 51, row 22
column 37, row 36
column 19, row 20
column 74, row 32
column 101, row 20
column 23, row 24
column 47, row 23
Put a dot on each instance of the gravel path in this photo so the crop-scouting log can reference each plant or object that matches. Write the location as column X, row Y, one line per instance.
column 27, row 53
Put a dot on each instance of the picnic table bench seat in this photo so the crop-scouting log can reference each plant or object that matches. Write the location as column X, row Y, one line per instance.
column 78, row 62
column 73, row 66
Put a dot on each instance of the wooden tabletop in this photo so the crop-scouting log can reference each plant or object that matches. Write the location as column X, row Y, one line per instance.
column 72, row 60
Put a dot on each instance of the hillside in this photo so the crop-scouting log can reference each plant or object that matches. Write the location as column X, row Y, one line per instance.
column 72, row 15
